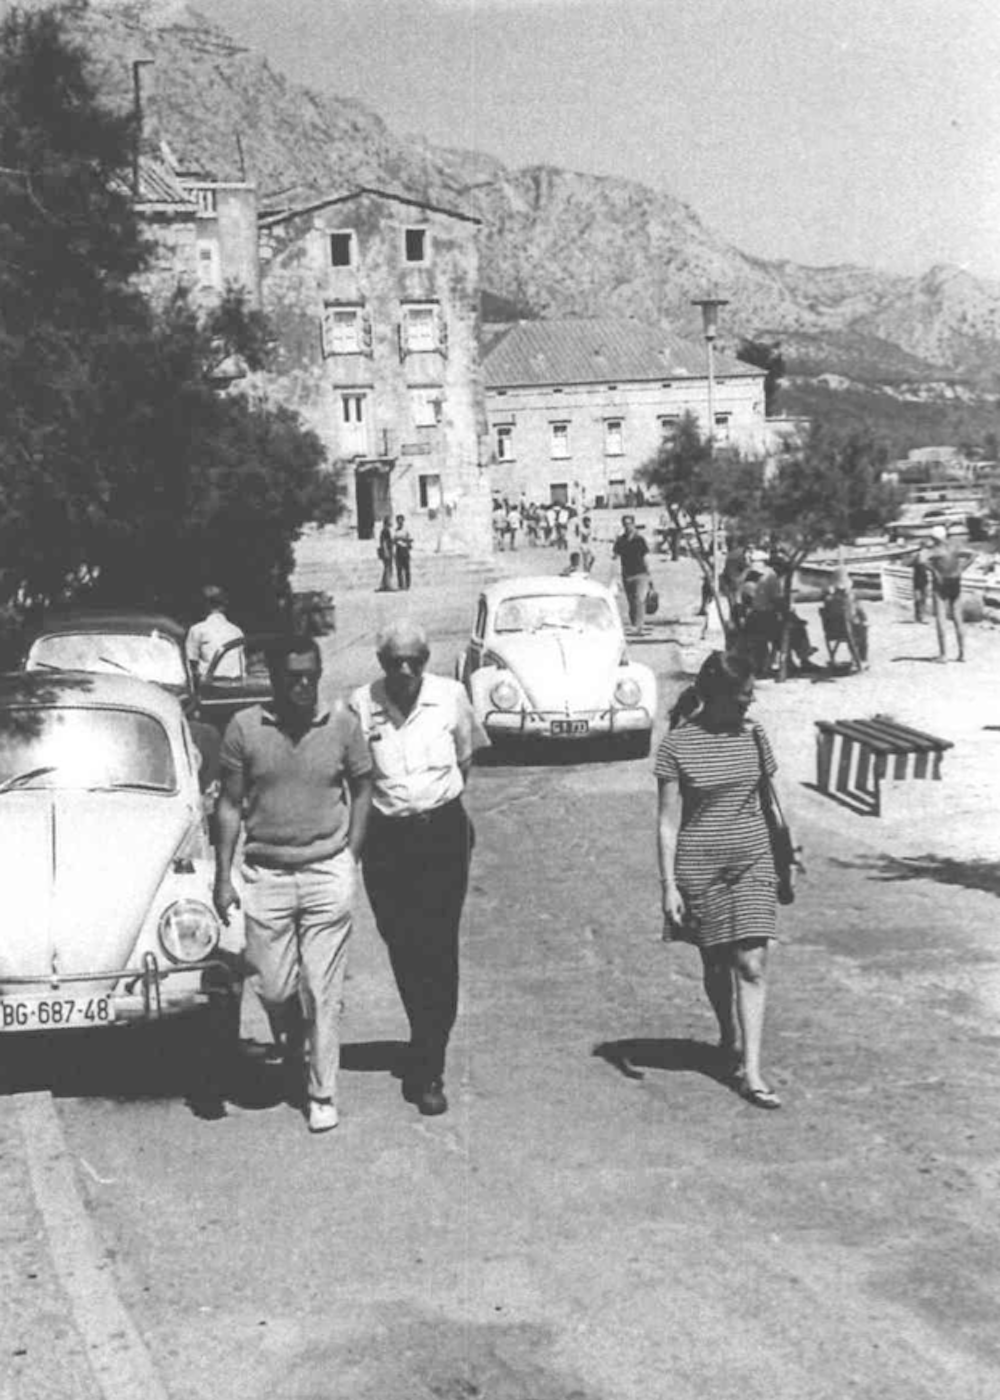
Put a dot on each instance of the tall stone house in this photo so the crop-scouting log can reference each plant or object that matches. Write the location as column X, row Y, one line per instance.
column 374, row 298
column 575, row 406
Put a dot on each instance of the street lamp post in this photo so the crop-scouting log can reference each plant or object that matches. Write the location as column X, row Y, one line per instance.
column 710, row 324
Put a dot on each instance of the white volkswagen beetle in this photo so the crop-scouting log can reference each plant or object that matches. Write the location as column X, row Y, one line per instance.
column 104, row 860
column 548, row 660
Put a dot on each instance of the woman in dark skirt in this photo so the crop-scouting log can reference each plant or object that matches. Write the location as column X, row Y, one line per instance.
column 716, row 869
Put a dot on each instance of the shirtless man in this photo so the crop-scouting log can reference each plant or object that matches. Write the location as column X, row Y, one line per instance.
column 947, row 561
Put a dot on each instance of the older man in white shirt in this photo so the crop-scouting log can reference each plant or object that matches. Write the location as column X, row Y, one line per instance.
column 421, row 734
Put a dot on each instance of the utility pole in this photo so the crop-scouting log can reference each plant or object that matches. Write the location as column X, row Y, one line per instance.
column 710, row 326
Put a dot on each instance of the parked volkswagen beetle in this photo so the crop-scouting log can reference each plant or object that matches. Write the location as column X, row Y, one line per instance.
column 104, row 860
column 547, row 660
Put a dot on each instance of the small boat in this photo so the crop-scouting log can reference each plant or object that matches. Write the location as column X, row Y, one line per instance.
column 918, row 521
column 863, row 563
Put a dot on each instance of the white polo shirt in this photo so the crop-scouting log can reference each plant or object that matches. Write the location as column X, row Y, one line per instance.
column 416, row 758
column 208, row 637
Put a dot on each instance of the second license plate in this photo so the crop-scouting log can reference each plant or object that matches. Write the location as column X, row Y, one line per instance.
column 569, row 728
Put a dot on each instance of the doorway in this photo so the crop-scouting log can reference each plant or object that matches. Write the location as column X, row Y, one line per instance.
column 373, row 499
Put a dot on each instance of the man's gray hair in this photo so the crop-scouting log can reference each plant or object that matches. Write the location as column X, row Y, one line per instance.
column 401, row 635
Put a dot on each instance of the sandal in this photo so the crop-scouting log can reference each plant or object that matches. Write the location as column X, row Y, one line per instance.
column 760, row 1098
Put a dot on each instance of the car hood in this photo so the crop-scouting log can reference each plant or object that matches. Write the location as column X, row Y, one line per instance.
column 78, row 872
column 558, row 667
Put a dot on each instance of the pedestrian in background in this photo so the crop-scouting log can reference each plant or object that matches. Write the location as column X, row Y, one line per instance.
column 921, row 584
column 421, row 734
column 717, row 873
column 206, row 638
column 402, row 545
column 630, row 549
column 385, row 555
column 299, row 777
column 947, row 562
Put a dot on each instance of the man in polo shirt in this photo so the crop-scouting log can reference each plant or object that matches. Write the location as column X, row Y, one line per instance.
column 421, row 734
column 631, row 549
column 300, row 779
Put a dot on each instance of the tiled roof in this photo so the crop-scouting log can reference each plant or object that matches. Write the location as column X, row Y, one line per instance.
column 587, row 351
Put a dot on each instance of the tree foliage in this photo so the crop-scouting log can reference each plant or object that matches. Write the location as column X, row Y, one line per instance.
column 126, row 471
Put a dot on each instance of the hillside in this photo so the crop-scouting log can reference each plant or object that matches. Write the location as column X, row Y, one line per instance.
column 554, row 242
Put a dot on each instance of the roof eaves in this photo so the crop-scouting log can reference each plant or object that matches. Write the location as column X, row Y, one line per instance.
column 284, row 215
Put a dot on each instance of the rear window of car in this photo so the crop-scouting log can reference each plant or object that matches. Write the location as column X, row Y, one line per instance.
column 538, row 611
column 148, row 656
column 64, row 747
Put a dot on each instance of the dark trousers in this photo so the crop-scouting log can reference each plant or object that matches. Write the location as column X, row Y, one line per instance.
column 403, row 567
column 416, row 872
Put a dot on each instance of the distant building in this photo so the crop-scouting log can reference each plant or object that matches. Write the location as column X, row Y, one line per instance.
column 575, row 406
column 203, row 232
column 373, row 297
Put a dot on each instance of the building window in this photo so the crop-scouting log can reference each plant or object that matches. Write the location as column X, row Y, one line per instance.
column 342, row 330
column 204, row 199
column 415, row 245
column 429, row 489
column 668, row 422
column 354, row 424
column 505, row 442
column 420, row 329
column 208, row 264
column 342, row 249
column 559, row 443
column 614, row 439
column 425, row 405
column 722, row 424
column 558, row 493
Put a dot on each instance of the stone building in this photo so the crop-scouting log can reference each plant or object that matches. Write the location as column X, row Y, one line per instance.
column 575, row 406
column 203, row 232
column 373, row 297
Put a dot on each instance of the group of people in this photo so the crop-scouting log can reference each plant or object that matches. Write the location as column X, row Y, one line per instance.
column 556, row 524
column 376, row 786
column 318, row 795
column 395, row 550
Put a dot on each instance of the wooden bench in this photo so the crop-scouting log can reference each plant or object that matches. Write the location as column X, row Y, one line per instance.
column 853, row 757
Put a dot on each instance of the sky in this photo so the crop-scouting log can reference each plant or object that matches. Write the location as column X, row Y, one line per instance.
column 823, row 131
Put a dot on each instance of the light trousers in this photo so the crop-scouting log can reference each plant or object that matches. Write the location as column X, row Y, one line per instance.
column 298, row 922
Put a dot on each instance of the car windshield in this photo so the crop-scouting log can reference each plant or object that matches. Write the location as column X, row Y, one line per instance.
column 576, row 611
column 150, row 656
column 63, row 746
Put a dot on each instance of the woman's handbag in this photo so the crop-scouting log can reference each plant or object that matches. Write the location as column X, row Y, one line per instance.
column 652, row 601
column 784, row 851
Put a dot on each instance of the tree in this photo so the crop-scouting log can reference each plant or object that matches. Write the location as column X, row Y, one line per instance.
column 826, row 491
column 767, row 356
column 124, row 471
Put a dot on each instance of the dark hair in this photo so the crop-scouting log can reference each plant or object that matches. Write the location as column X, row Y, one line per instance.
column 722, row 674
column 214, row 596
column 278, row 651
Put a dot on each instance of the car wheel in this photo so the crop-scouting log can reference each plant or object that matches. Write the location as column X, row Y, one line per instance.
column 635, row 744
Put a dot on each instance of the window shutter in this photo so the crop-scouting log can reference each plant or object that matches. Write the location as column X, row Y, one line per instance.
column 326, row 332
column 442, row 333
column 366, row 334
column 401, row 338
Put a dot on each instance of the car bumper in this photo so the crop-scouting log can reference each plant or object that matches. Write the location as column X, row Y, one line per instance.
column 552, row 724
column 100, row 1000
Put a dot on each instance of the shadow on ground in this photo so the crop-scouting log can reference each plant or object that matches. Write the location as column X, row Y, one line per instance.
column 968, row 874
column 633, row 1057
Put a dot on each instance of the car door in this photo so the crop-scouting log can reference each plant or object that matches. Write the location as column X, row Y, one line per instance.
column 474, row 653
column 221, row 696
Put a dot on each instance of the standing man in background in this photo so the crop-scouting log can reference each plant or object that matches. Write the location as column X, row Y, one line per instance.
column 402, row 543
column 947, row 562
column 302, row 775
column 207, row 638
column 421, row 734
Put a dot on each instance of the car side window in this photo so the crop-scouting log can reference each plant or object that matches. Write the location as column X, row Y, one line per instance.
column 480, row 629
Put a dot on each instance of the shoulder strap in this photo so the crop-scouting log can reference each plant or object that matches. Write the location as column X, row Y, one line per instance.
column 768, row 796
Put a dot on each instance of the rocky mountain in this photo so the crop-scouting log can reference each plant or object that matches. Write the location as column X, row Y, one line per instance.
column 554, row 242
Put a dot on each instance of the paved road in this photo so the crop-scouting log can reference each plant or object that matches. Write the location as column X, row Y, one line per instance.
column 570, row 1230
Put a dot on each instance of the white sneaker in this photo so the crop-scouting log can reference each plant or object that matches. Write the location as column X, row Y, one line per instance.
column 322, row 1116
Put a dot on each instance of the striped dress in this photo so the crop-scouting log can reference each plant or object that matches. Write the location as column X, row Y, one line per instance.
column 723, row 861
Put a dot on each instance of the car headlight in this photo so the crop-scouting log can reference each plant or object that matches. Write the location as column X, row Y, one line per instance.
column 505, row 695
column 627, row 693
column 188, row 931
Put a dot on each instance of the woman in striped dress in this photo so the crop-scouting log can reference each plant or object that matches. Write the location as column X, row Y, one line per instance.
column 716, row 869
